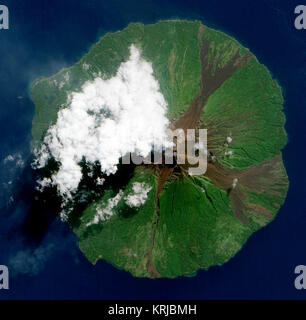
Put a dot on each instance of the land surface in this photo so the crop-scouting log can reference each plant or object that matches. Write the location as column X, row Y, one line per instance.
column 187, row 223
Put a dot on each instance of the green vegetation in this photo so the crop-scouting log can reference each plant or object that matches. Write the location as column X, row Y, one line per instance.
column 173, row 48
column 196, row 228
column 247, row 107
column 124, row 239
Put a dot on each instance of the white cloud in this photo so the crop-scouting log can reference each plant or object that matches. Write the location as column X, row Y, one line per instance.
column 66, row 76
column 139, row 195
column 234, row 184
column 30, row 262
column 105, row 213
column 43, row 183
column 137, row 198
column 17, row 158
column 61, row 84
column 100, row 181
column 8, row 158
column 85, row 66
column 229, row 139
column 11, row 200
column 105, row 121
column 229, row 153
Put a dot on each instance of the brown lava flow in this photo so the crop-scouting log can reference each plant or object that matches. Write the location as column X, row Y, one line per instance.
column 223, row 178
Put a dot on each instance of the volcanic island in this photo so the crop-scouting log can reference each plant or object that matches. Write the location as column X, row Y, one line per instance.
column 181, row 223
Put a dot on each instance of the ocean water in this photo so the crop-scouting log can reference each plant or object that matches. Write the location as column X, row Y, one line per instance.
column 42, row 252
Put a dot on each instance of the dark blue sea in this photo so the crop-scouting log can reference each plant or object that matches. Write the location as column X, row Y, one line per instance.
column 41, row 251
